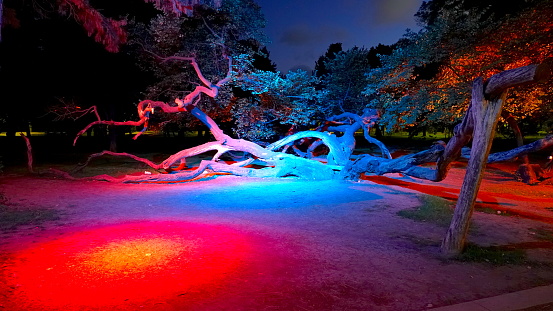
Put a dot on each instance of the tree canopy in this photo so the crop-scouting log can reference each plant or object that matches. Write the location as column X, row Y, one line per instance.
column 426, row 80
column 422, row 80
column 235, row 29
column 108, row 30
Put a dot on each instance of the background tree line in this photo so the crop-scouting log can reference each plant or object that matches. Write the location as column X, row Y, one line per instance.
column 420, row 83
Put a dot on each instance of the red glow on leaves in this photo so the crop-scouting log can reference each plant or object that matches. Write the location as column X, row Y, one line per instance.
column 126, row 263
column 108, row 31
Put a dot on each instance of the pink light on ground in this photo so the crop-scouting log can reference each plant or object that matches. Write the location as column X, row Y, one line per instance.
column 126, row 264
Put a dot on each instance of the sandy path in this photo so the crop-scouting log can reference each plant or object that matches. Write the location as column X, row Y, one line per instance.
column 230, row 243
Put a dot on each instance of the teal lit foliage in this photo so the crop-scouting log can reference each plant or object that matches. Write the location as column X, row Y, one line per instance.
column 246, row 21
column 426, row 81
column 233, row 29
column 275, row 102
column 346, row 80
column 299, row 99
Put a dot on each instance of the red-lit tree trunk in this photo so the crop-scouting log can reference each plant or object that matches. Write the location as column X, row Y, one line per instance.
column 529, row 173
column 525, row 169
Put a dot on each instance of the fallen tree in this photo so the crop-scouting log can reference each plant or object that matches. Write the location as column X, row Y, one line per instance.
column 338, row 162
column 478, row 125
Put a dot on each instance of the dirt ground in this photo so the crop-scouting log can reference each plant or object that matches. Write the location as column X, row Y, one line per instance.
column 231, row 243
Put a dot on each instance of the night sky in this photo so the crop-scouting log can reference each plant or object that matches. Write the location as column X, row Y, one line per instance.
column 301, row 31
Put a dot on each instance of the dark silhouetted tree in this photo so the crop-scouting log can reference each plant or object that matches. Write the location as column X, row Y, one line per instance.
column 320, row 67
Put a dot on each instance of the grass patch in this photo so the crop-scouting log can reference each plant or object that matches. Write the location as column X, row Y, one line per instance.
column 421, row 242
column 493, row 255
column 433, row 209
column 11, row 218
column 489, row 210
column 543, row 234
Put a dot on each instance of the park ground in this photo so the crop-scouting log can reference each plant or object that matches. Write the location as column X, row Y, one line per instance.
column 231, row 243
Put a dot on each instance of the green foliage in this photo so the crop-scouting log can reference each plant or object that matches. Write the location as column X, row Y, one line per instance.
column 402, row 89
column 432, row 210
column 207, row 36
column 246, row 20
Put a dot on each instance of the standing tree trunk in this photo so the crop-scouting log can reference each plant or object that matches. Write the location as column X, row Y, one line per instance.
column 527, row 173
column 29, row 153
column 487, row 101
column 486, row 114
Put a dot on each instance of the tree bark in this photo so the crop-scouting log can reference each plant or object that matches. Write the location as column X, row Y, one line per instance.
column 486, row 104
column 483, row 111
column 116, row 154
column 29, row 153
column 486, row 114
column 538, row 145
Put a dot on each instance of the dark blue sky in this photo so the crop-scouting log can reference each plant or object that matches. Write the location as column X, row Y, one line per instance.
column 302, row 30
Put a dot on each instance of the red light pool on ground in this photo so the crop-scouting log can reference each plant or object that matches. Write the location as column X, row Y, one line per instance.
column 126, row 263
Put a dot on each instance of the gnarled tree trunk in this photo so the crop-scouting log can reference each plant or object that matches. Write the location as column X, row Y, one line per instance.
column 486, row 104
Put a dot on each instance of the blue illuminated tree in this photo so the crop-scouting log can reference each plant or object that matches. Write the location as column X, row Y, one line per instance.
column 296, row 99
column 345, row 81
column 274, row 103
